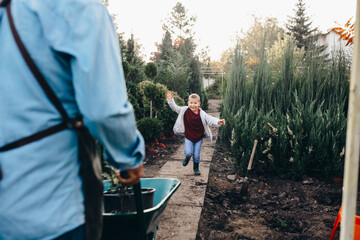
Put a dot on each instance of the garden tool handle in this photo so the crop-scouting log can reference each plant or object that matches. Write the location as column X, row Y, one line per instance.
column 252, row 155
column 139, row 206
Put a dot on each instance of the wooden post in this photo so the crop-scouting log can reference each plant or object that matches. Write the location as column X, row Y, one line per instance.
column 351, row 171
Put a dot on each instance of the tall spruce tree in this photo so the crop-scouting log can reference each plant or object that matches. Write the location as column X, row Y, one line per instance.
column 135, row 63
column 166, row 47
column 179, row 23
column 300, row 26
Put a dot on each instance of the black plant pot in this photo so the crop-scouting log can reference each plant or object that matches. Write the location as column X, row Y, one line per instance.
column 114, row 203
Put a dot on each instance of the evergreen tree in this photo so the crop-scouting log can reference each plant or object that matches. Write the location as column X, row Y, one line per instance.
column 151, row 70
column 135, row 72
column 179, row 23
column 300, row 26
column 122, row 44
column 195, row 81
column 166, row 47
column 132, row 53
column 187, row 48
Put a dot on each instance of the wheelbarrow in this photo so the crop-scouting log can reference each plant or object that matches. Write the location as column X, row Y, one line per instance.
column 128, row 226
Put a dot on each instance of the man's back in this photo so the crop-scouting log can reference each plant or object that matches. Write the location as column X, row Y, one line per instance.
column 74, row 45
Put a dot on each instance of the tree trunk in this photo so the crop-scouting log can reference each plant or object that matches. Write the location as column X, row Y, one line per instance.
column 150, row 109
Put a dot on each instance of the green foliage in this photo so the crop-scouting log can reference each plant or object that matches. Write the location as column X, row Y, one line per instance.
column 166, row 48
column 174, row 75
column 214, row 90
column 122, row 44
column 195, row 81
column 297, row 114
column 134, row 70
column 136, row 74
column 300, row 28
column 135, row 99
column 132, row 54
column 150, row 91
column 187, row 49
column 151, row 70
column 126, row 69
column 300, row 25
column 137, row 110
column 236, row 84
column 204, row 100
column 150, row 129
column 159, row 99
column 153, row 92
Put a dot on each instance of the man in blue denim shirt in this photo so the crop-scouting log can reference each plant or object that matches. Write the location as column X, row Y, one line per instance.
column 74, row 44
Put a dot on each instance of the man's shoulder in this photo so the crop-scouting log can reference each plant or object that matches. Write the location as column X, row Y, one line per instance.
column 66, row 7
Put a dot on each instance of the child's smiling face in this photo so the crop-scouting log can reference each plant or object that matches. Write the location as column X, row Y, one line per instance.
column 194, row 104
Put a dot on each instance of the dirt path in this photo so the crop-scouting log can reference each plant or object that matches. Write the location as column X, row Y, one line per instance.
column 181, row 217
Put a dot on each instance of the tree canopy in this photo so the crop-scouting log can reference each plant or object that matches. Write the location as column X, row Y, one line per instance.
column 300, row 26
column 179, row 23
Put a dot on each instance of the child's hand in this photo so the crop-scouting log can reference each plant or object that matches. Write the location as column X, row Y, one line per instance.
column 221, row 122
column 169, row 95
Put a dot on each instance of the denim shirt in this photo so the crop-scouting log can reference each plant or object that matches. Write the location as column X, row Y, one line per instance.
column 74, row 44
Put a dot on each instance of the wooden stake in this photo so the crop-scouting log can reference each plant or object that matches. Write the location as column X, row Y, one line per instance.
column 351, row 171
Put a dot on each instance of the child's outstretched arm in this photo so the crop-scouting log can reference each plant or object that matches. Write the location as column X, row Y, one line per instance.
column 213, row 121
column 171, row 102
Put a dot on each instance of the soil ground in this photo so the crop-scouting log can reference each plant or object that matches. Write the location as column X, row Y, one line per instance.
column 270, row 208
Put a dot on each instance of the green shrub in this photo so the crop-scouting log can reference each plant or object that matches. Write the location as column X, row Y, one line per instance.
column 135, row 99
column 151, row 70
column 204, row 100
column 150, row 128
column 137, row 110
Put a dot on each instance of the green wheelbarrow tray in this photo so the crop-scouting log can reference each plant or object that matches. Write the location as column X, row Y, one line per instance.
column 125, row 226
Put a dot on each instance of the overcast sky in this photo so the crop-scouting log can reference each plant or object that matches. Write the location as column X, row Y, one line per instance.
column 219, row 21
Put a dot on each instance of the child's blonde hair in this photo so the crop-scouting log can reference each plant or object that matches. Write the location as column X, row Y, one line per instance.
column 194, row 96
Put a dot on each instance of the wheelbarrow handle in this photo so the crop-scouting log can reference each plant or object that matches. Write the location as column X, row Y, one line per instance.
column 139, row 206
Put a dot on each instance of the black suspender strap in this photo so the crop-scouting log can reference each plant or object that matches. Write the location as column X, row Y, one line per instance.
column 34, row 137
column 67, row 122
column 4, row 3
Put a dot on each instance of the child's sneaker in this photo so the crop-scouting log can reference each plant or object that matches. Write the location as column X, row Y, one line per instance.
column 186, row 161
column 196, row 169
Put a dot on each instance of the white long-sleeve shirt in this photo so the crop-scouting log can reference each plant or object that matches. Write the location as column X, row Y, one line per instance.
column 206, row 119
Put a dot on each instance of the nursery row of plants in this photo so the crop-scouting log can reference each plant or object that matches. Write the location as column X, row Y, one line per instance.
column 290, row 93
column 296, row 110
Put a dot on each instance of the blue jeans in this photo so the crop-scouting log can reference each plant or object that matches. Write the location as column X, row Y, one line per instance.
column 75, row 234
column 193, row 149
